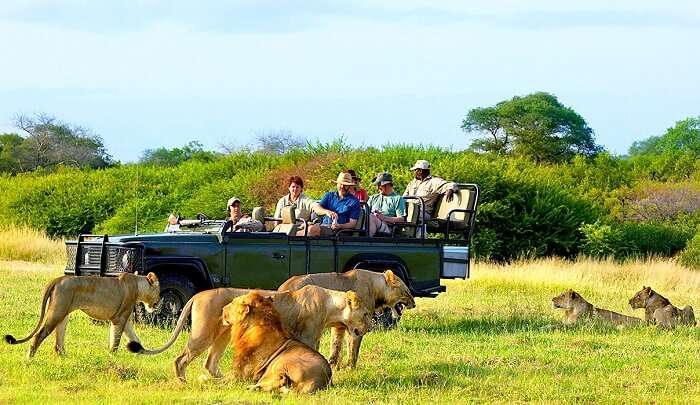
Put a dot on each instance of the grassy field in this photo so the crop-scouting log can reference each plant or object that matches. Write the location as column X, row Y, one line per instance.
column 493, row 338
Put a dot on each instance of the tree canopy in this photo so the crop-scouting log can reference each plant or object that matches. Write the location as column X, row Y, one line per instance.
column 194, row 150
column 536, row 126
column 49, row 143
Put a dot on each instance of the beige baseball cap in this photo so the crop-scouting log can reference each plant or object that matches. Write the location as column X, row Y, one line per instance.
column 421, row 164
column 231, row 201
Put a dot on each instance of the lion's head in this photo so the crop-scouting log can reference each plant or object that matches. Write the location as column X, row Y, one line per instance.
column 567, row 300
column 397, row 292
column 251, row 308
column 149, row 291
column 356, row 316
column 640, row 298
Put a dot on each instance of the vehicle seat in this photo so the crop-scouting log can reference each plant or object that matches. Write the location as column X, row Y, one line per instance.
column 288, row 224
column 408, row 229
column 258, row 214
column 461, row 220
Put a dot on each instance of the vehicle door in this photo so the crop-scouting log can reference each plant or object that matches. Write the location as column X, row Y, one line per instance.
column 256, row 260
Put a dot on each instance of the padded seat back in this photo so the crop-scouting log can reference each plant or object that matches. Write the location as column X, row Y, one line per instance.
column 463, row 199
column 289, row 219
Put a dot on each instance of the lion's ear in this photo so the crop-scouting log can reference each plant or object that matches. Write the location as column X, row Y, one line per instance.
column 244, row 310
column 152, row 278
column 574, row 294
column 390, row 277
column 647, row 289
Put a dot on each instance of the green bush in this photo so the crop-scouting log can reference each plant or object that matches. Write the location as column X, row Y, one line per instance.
column 604, row 240
column 656, row 239
column 690, row 256
column 632, row 239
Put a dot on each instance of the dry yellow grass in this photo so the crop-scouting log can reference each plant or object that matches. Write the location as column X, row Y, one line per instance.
column 31, row 246
column 663, row 274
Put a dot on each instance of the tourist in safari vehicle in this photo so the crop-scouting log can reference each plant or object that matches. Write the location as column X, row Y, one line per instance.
column 303, row 204
column 341, row 208
column 428, row 187
column 387, row 206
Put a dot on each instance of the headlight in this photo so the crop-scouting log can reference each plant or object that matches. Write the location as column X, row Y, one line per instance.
column 127, row 261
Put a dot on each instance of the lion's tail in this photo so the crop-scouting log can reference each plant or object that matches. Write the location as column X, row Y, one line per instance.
column 136, row 347
column 44, row 300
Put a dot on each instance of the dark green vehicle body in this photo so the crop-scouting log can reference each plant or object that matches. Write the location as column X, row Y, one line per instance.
column 210, row 258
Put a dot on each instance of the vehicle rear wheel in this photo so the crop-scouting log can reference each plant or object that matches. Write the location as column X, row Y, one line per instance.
column 175, row 291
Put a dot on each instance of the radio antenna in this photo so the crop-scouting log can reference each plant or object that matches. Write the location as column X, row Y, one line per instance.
column 136, row 194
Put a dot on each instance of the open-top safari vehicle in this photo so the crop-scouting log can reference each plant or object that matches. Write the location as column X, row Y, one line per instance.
column 203, row 254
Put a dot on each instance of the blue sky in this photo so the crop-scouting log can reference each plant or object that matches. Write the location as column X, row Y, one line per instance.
column 145, row 74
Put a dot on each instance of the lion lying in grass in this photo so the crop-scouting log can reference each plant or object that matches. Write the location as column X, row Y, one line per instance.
column 104, row 298
column 576, row 308
column 378, row 290
column 305, row 314
column 265, row 352
column 659, row 310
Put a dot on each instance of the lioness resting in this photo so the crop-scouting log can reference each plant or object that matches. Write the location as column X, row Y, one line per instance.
column 305, row 314
column 576, row 307
column 378, row 290
column 266, row 353
column 105, row 298
column 659, row 310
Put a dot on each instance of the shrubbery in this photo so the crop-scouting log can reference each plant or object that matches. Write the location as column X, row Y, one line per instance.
column 525, row 209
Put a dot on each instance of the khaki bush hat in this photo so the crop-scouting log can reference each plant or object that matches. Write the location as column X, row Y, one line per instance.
column 345, row 179
column 231, row 201
column 421, row 164
column 382, row 179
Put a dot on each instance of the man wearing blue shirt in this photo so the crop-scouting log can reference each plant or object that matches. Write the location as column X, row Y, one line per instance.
column 341, row 209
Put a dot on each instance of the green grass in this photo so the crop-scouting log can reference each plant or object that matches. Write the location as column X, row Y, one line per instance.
column 494, row 338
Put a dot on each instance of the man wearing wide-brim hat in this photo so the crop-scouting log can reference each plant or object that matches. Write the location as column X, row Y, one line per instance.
column 341, row 209
column 428, row 187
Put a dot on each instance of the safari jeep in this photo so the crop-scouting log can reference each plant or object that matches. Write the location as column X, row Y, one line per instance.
column 200, row 254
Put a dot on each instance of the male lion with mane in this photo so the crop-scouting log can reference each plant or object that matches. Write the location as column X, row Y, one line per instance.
column 658, row 309
column 377, row 290
column 104, row 298
column 265, row 353
column 576, row 307
column 305, row 314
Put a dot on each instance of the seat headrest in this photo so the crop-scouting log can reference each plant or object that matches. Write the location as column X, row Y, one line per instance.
column 259, row 214
column 289, row 215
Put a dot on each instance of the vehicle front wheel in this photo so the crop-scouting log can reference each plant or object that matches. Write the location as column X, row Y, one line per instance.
column 175, row 291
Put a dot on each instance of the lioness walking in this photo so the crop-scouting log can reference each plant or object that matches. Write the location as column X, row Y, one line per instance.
column 659, row 310
column 377, row 290
column 576, row 307
column 104, row 298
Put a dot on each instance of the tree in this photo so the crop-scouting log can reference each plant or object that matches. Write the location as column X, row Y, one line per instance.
column 50, row 143
column 278, row 142
column 194, row 150
column 9, row 151
column 536, row 126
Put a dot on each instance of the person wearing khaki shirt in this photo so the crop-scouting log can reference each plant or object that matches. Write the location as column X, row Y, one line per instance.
column 303, row 205
column 428, row 187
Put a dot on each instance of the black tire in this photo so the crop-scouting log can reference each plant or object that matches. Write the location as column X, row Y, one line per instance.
column 175, row 291
column 386, row 320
